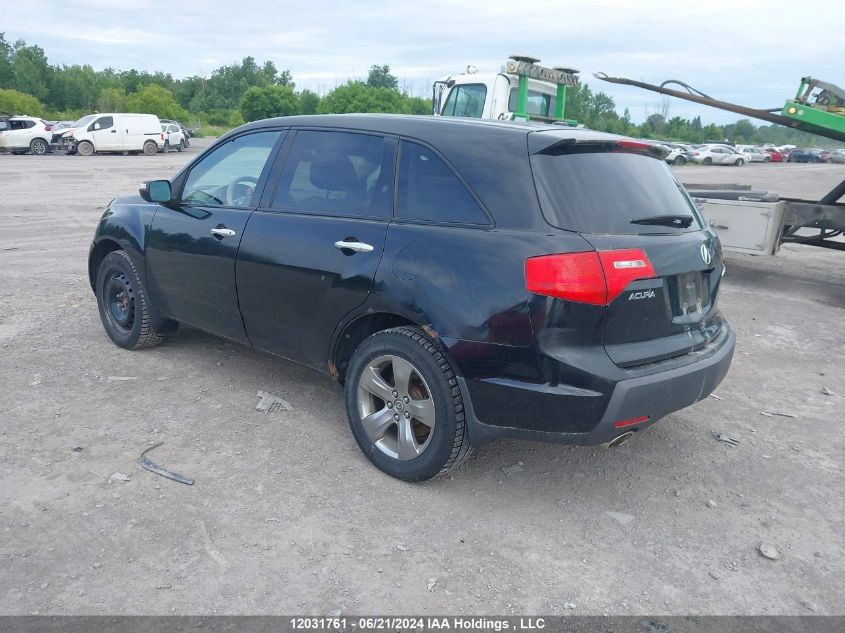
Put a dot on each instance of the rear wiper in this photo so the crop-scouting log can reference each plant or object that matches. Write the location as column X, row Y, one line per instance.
column 680, row 221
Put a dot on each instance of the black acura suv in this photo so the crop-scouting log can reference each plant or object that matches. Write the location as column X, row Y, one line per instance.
column 463, row 280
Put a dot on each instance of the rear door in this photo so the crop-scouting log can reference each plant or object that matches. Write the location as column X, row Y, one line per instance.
column 649, row 234
column 309, row 255
column 192, row 244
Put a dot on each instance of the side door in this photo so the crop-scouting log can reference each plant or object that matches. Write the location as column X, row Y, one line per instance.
column 192, row 242
column 309, row 254
column 105, row 135
column 21, row 132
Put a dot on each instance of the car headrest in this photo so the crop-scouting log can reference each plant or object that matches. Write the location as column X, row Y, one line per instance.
column 333, row 173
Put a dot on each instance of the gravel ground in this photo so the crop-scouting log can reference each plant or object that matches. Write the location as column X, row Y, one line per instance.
column 286, row 514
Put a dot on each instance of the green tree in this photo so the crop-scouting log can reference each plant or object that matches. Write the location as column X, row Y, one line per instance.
column 30, row 71
column 111, row 100
column 356, row 96
column 270, row 101
column 380, row 77
column 6, row 71
column 15, row 102
column 308, row 102
column 153, row 99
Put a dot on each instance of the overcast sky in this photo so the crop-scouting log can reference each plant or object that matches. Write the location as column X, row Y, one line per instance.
column 751, row 52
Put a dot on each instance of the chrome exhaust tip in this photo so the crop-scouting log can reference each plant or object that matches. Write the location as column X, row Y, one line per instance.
column 619, row 440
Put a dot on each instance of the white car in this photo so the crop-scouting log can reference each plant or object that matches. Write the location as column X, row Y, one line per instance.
column 25, row 134
column 755, row 154
column 174, row 137
column 676, row 155
column 719, row 155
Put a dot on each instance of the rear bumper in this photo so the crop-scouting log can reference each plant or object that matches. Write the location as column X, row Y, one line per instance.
column 654, row 395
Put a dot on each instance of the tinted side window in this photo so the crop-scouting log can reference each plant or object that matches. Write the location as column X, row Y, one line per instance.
column 227, row 176
column 430, row 190
column 466, row 100
column 337, row 173
column 103, row 123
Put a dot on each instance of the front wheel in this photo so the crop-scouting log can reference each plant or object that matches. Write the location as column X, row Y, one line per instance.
column 38, row 146
column 739, row 163
column 84, row 148
column 123, row 304
column 405, row 406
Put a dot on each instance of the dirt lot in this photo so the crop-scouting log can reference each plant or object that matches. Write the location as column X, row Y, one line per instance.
column 288, row 516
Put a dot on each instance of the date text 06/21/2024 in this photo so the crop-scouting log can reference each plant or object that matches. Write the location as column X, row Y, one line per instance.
column 399, row 623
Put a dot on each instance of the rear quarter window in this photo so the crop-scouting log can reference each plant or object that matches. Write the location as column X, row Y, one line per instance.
column 610, row 193
column 430, row 191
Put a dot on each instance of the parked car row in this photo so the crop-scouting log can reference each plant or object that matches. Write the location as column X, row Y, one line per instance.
column 739, row 155
column 102, row 132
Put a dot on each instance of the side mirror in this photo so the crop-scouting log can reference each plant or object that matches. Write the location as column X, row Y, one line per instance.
column 156, row 191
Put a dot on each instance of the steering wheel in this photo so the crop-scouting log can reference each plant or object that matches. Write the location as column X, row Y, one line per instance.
column 234, row 200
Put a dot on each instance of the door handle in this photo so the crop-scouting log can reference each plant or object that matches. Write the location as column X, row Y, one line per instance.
column 357, row 247
column 114, row 131
column 218, row 232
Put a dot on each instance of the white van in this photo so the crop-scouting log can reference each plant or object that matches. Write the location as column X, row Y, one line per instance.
column 114, row 132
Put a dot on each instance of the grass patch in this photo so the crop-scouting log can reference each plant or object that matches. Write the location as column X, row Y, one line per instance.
column 211, row 130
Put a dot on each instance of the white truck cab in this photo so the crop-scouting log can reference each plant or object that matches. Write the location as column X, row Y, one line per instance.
column 521, row 90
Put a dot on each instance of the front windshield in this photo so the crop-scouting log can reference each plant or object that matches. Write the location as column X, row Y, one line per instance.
column 84, row 120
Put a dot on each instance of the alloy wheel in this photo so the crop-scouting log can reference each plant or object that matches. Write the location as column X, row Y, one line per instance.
column 396, row 407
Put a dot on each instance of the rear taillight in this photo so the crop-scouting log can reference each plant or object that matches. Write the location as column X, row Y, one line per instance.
column 162, row 136
column 48, row 127
column 638, row 146
column 695, row 154
column 593, row 277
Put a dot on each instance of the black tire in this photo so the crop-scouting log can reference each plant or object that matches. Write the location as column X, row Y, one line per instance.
column 166, row 147
column 679, row 160
column 707, row 161
column 127, row 318
column 449, row 443
column 767, row 159
column 181, row 146
column 84, row 148
column 38, row 146
column 150, row 148
column 739, row 162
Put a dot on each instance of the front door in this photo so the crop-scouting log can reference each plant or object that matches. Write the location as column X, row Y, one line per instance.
column 105, row 135
column 309, row 255
column 192, row 244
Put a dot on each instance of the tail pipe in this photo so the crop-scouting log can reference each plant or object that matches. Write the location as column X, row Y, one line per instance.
column 619, row 440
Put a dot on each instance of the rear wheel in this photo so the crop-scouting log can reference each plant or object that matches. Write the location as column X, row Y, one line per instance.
column 38, row 146
column 166, row 146
column 707, row 161
column 84, row 148
column 150, row 148
column 123, row 304
column 181, row 146
column 679, row 160
column 405, row 406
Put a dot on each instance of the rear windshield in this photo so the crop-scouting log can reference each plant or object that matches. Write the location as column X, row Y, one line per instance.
column 612, row 192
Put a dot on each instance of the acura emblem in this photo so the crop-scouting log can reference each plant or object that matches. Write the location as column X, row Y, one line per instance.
column 705, row 254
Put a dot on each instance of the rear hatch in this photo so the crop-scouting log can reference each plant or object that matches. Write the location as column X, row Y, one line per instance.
column 661, row 264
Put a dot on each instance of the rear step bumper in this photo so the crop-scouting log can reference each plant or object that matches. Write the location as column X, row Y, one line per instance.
column 654, row 395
